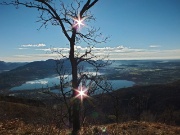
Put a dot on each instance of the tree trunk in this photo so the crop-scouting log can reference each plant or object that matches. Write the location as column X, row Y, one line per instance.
column 76, row 120
column 76, row 107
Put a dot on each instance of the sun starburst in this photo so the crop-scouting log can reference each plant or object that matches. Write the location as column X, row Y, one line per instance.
column 82, row 93
column 78, row 22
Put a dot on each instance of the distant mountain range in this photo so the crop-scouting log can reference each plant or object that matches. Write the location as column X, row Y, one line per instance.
column 25, row 72
column 6, row 66
column 19, row 73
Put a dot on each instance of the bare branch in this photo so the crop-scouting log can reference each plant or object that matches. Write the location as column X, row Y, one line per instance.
column 87, row 6
column 43, row 6
column 57, row 17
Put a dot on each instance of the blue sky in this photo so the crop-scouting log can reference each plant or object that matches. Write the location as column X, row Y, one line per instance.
column 139, row 29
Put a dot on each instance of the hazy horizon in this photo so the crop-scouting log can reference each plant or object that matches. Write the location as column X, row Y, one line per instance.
column 110, row 60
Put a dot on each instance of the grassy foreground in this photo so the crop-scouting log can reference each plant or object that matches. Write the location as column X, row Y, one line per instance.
column 18, row 127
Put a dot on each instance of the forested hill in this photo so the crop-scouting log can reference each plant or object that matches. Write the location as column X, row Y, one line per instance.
column 33, row 70
column 152, row 102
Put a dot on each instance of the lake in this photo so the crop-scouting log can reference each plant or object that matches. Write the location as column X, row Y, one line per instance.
column 52, row 81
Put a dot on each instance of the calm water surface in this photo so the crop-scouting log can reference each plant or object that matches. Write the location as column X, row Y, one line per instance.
column 52, row 81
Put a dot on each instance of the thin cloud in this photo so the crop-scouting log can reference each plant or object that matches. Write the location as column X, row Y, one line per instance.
column 95, row 50
column 147, row 54
column 23, row 48
column 154, row 46
column 52, row 49
column 114, row 53
column 33, row 45
column 46, row 49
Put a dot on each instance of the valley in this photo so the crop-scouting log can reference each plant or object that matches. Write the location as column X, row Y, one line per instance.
column 153, row 97
column 140, row 71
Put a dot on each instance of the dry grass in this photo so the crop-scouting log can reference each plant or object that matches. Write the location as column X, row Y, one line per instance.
column 21, row 119
column 132, row 128
column 18, row 127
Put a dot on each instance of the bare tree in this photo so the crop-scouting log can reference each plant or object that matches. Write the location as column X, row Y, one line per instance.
column 91, row 83
column 70, row 17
